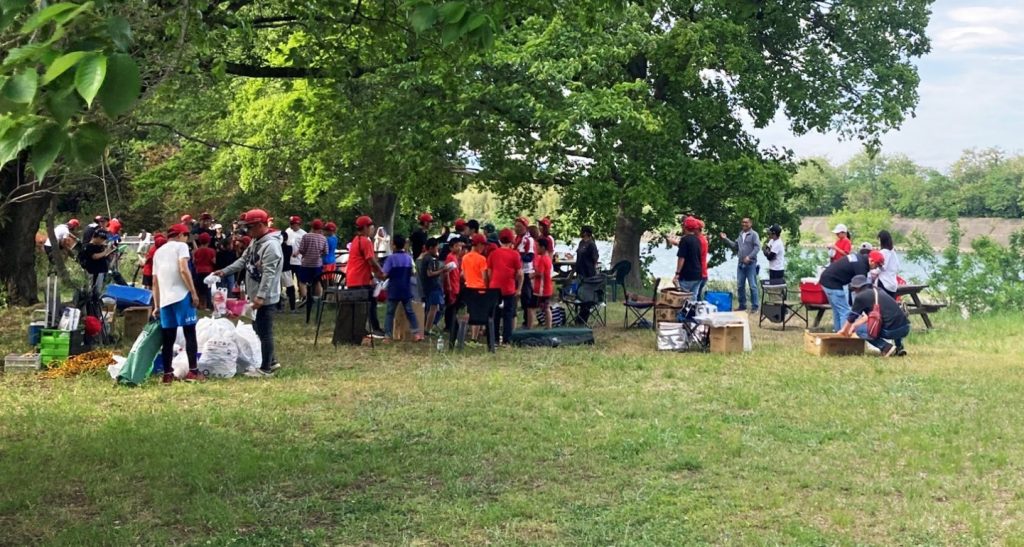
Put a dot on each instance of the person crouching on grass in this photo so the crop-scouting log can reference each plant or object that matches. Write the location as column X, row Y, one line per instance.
column 543, row 288
column 895, row 325
column 262, row 261
column 174, row 300
column 398, row 270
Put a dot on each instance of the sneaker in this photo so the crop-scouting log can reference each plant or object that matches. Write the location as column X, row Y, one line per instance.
column 741, row 308
column 377, row 333
column 754, row 310
column 194, row 376
column 900, row 352
column 417, row 338
column 275, row 366
column 259, row 373
column 889, row 351
column 168, row 378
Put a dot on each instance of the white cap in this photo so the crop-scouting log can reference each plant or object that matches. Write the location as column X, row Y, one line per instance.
column 840, row 228
column 867, row 246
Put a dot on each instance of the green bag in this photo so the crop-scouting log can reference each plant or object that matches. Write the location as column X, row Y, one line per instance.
column 139, row 364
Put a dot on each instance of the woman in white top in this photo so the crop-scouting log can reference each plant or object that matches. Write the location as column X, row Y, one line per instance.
column 775, row 251
column 885, row 275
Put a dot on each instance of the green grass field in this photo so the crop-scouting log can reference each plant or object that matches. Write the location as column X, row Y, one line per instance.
column 615, row 444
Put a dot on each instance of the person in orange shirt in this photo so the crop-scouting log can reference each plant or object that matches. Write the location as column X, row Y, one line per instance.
column 843, row 246
column 474, row 264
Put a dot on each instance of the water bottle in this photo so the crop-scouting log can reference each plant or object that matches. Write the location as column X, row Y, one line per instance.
column 440, row 344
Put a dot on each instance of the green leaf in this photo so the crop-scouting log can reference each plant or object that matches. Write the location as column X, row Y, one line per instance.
column 62, row 64
column 452, row 12
column 120, row 32
column 21, row 88
column 88, row 143
column 62, row 105
column 450, row 34
column 46, row 15
column 18, row 54
column 12, row 143
column 423, row 17
column 45, row 151
column 474, row 22
column 122, row 86
column 89, row 76
column 69, row 15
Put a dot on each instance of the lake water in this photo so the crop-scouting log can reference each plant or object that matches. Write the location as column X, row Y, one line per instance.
column 664, row 263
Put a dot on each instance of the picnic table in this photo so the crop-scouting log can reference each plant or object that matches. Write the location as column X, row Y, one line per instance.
column 914, row 307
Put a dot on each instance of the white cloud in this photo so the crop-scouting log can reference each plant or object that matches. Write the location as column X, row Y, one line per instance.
column 981, row 15
column 974, row 37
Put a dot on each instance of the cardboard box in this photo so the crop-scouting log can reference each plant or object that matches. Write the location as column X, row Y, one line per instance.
column 822, row 344
column 673, row 297
column 401, row 327
column 135, row 319
column 727, row 339
column 665, row 313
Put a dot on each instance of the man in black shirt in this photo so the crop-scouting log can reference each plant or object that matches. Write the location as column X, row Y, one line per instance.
column 895, row 325
column 689, row 271
column 834, row 280
column 94, row 259
column 586, row 264
column 419, row 236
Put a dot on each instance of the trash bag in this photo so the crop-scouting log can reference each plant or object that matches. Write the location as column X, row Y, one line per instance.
column 250, row 354
column 219, row 358
column 139, row 363
column 203, row 330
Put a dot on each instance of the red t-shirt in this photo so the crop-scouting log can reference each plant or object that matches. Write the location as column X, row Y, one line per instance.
column 542, row 271
column 454, row 278
column 844, row 247
column 204, row 259
column 358, row 272
column 703, row 255
column 147, row 268
column 504, row 263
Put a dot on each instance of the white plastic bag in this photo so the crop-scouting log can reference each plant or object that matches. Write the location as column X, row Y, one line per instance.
column 203, row 330
column 179, row 365
column 218, row 358
column 250, row 352
column 220, row 302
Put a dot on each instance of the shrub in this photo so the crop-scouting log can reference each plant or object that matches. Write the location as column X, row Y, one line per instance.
column 864, row 224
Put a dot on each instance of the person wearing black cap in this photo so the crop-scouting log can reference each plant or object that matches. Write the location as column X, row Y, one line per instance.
column 99, row 223
column 95, row 260
column 775, row 252
column 895, row 325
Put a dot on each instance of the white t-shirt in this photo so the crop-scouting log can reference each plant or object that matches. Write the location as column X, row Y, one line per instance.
column 295, row 239
column 776, row 246
column 61, row 231
column 889, row 270
column 165, row 269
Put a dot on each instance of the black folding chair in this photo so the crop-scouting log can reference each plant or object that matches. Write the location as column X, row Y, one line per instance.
column 776, row 309
column 617, row 277
column 480, row 305
column 640, row 310
column 590, row 295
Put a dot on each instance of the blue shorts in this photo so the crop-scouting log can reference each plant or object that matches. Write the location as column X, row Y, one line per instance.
column 435, row 298
column 309, row 274
column 179, row 314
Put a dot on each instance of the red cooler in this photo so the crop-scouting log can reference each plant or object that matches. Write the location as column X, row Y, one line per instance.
column 812, row 293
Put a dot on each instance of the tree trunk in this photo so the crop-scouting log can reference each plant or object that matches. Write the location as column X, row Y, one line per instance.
column 18, row 228
column 383, row 204
column 626, row 245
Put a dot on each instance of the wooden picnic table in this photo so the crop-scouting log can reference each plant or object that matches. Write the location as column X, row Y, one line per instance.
column 564, row 268
column 914, row 307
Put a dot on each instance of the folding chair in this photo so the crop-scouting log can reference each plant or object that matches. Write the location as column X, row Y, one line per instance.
column 640, row 310
column 591, row 294
column 480, row 305
column 617, row 277
column 331, row 282
column 776, row 309
column 698, row 336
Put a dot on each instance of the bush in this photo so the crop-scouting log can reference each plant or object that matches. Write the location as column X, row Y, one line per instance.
column 864, row 224
column 802, row 262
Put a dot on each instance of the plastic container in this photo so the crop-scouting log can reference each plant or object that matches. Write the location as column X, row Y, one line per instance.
column 812, row 293
column 721, row 300
column 35, row 332
column 21, row 363
column 236, row 306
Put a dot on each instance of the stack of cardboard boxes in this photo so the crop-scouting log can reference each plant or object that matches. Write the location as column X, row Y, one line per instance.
column 670, row 302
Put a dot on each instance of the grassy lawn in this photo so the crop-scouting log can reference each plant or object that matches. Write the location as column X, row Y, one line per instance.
column 612, row 444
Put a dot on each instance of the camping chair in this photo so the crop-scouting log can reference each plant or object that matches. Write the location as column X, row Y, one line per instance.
column 331, row 282
column 480, row 305
column 776, row 309
column 590, row 294
column 640, row 310
column 697, row 336
column 617, row 277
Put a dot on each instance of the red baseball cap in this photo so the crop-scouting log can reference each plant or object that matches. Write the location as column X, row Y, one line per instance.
column 177, row 229
column 295, row 219
column 206, row 216
column 364, row 221
column 73, row 223
column 479, row 239
column 317, row 224
column 186, row 218
column 544, row 221
column 460, row 224
column 331, row 227
column 159, row 240
column 426, row 217
column 691, row 223
column 203, row 238
column 877, row 257
column 522, row 220
column 506, row 235
column 256, row 216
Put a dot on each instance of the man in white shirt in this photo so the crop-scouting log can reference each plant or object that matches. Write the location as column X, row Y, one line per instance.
column 65, row 239
column 295, row 233
column 775, row 252
column 174, row 300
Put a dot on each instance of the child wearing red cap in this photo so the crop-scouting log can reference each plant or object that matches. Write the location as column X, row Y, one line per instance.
column 175, row 298
column 204, row 260
column 362, row 267
column 506, row 273
column 419, row 236
column 331, row 258
column 543, row 287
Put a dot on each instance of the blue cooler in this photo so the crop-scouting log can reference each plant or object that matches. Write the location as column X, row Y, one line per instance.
column 128, row 297
column 35, row 332
column 721, row 300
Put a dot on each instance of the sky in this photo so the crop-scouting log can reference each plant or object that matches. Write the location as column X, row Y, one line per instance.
column 971, row 91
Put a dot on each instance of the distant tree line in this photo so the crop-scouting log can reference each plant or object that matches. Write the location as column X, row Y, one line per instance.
column 982, row 183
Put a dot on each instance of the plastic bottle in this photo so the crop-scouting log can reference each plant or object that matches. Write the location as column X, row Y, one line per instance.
column 440, row 344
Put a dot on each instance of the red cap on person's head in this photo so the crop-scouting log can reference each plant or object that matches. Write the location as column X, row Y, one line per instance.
column 544, row 221
column 331, row 227
column 506, row 235
column 364, row 222
column 206, row 216
column 73, row 223
column 460, row 224
column 295, row 219
column 877, row 257
column 479, row 239
column 256, row 216
column 203, row 238
column 159, row 240
column 426, row 217
column 691, row 223
column 185, row 219
column 317, row 224
column 176, row 230
column 522, row 220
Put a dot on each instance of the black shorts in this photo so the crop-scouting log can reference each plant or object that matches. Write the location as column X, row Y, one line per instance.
column 543, row 301
column 527, row 299
column 147, row 281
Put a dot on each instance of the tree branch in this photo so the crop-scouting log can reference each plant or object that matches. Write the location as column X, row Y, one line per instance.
column 207, row 143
